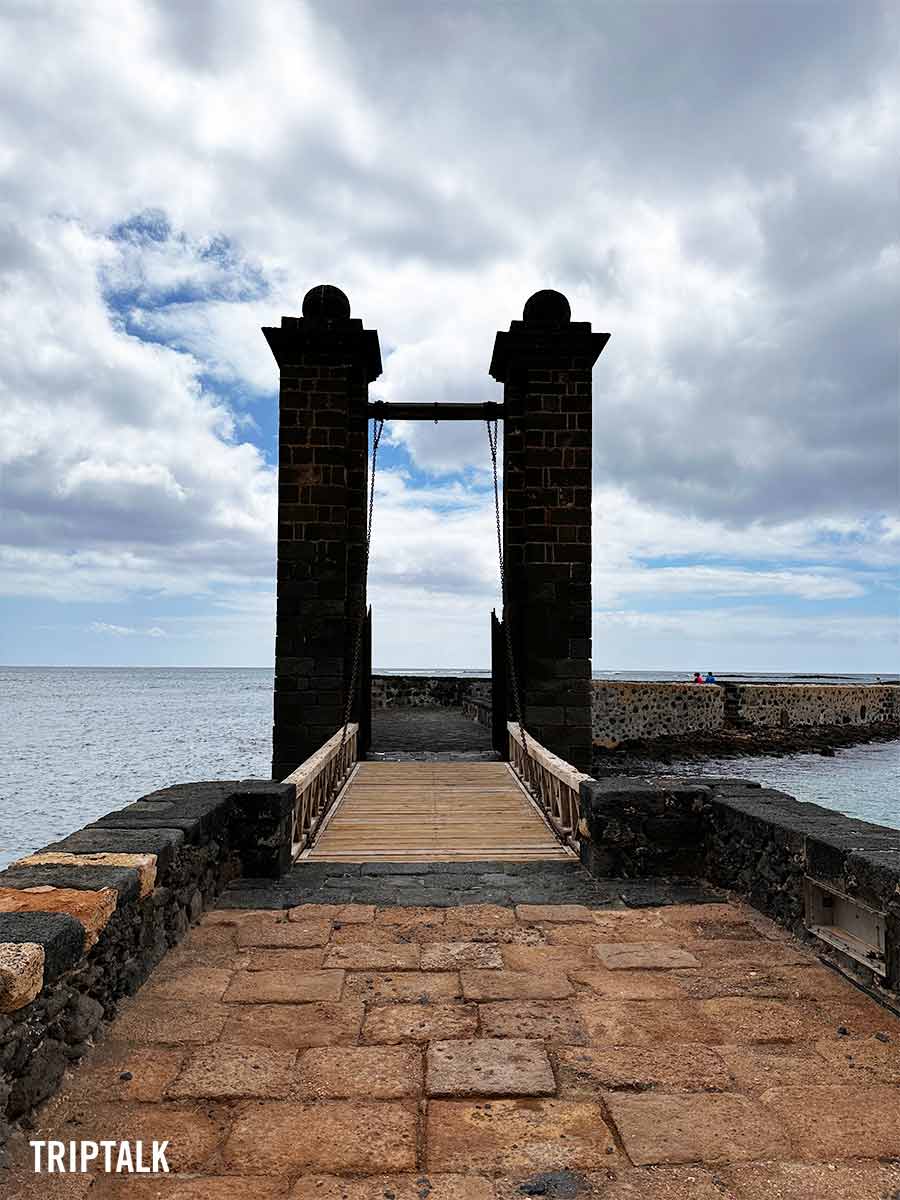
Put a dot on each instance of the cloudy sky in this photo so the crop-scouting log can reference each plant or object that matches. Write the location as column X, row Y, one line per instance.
column 713, row 183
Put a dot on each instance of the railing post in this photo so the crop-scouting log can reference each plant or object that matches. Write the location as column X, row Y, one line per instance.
column 364, row 700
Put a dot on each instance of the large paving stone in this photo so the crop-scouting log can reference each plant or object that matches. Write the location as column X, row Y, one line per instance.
column 563, row 913
column 746, row 1019
column 758, row 1067
column 629, row 985
column 814, row 1181
column 545, row 1020
column 489, row 1067
column 366, row 1072
column 642, row 956
column 283, row 987
column 403, row 986
column 392, row 1023
column 696, row 1128
column 546, row 959
column 293, row 1026
column 186, row 983
column 149, row 1019
column 264, row 931
column 644, row 1022
column 835, row 1122
column 193, row 1133
column 420, row 1186
column 514, row 985
column 116, row 1070
column 867, row 1060
column 366, row 957
column 283, row 1138
column 642, row 1183
column 234, row 1072
column 444, row 956
column 516, row 1135
column 687, row 1068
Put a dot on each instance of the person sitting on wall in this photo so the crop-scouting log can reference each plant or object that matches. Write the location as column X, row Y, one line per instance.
column 698, row 678
column 710, row 678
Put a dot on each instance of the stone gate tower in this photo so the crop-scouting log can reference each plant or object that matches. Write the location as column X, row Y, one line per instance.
column 327, row 361
column 544, row 363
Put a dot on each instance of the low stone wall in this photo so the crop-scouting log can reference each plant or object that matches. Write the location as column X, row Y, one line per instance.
column 84, row 921
column 427, row 691
column 757, row 842
column 791, row 705
column 620, row 711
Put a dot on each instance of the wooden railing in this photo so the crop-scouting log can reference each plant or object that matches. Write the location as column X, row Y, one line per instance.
column 318, row 781
column 552, row 782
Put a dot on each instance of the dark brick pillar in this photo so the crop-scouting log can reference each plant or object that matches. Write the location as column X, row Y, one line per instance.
column 327, row 361
column 544, row 363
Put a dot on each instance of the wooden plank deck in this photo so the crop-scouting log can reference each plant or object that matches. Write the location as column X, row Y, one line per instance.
column 434, row 812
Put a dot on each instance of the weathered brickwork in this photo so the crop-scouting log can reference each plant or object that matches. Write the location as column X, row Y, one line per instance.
column 794, row 704
column 545, row 363
column 327, row 361
column 645, row 710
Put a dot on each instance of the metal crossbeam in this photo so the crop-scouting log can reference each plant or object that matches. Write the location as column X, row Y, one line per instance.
column 384, row 410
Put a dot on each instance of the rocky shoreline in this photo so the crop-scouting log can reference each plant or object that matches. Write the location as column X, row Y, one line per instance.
column 638, row 756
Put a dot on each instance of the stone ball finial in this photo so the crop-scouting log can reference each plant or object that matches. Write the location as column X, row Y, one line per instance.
column 547, row 305
column 325, row 300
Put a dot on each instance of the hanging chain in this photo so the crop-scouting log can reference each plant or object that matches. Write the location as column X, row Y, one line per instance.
column 378, row 426
column 493, row 439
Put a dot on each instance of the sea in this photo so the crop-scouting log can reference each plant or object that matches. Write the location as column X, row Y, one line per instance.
column 78, row 742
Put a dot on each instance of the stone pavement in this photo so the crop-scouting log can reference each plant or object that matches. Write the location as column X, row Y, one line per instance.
column 400, row 733
column 489, row 1052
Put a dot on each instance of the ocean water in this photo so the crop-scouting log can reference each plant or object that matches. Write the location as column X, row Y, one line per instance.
column 77, row 742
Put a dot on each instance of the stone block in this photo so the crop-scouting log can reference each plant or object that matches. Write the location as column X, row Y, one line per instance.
column 162, row 843
column 150, row 1019
column 835, row 1122
column 60, row 935
column 696, row 1128
column 126, row 883
column 403, row 986
column 363, row 1072
column 642, row 956
column 631, row 985
column 270, row 931
column 282, row 1138
column 544, row 1020
column 369, row 957
column 440, row 956
column 392, row 1023
column 536, row 913
column 644, row 1022
column 398, row 1187
column 489, row 1067
column 814, row 1181
column 514, row 985
column 221, row 1072
column 293, row 1026
column 91, row 909
column 583, row 1071
column 509, row 1135
column 283, row 987
column 21, row 974
column 144, row 864
column 193, row 1132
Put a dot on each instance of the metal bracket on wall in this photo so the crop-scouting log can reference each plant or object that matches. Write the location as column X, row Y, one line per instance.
column 847, row 924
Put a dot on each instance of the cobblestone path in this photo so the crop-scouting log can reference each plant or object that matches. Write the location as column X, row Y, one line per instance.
column 488, row 1051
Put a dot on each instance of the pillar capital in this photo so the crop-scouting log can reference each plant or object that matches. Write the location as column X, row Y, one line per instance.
column 545, row 336
column 325, row 328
